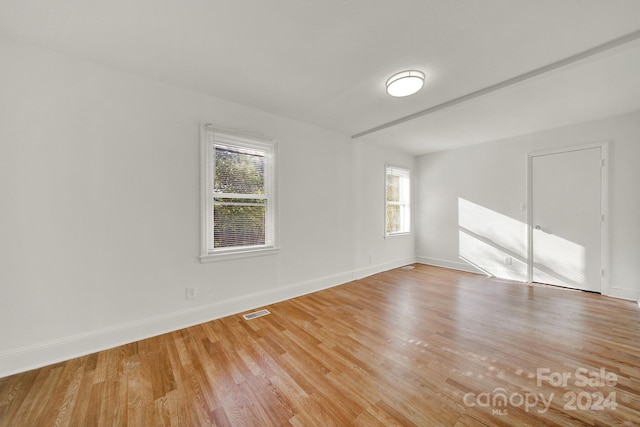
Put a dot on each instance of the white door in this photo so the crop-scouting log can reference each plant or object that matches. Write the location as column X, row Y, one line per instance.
column 567, row 218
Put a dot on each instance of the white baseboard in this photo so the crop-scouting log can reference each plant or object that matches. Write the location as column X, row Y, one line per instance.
column 628, row 294
column 361, row 273
column 454, row 265
column 46, row 353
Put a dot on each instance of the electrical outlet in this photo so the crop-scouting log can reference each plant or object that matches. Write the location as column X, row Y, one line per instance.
column 191, row 293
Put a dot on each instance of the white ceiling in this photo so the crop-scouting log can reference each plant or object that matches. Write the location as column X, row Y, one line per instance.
column 325, row 62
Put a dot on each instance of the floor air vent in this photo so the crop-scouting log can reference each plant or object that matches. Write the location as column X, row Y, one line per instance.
column 255, row 314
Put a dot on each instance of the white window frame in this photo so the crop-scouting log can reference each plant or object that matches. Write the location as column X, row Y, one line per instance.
column 210, row 137
column 405, row 198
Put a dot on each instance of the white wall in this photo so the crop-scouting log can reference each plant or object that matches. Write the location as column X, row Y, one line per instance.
column 488, row 182
column 99, row 222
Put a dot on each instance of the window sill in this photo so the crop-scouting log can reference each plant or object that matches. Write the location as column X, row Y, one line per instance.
column 407, row 233
column 239, row 254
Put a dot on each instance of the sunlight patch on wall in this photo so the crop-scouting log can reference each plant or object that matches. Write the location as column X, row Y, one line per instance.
column 492, row 242
column 558, row 261
column 497, row 245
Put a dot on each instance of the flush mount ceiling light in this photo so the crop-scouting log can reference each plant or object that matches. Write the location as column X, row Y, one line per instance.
column 405, row 83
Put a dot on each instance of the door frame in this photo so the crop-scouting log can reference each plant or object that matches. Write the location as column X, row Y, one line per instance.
column 604, row 203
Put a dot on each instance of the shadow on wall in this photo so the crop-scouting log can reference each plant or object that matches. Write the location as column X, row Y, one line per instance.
column 497, row 245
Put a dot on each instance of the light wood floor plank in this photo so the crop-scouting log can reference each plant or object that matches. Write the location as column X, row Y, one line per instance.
column 416, row 347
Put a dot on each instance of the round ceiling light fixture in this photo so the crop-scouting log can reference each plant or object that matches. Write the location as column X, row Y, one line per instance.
column 405, row 83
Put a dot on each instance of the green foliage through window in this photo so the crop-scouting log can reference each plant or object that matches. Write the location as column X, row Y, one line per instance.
column 240, row 205
column 238, row 172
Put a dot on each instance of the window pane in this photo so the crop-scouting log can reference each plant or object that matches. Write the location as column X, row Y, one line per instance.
column 393, row 218
column 238, row 225
column 393, row 188
column 238, row 172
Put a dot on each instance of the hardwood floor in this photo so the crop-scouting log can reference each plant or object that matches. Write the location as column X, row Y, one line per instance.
column 425, row 347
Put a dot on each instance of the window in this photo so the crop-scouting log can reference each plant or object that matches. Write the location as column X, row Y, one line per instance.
column 398, row 196
column 238, row 195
